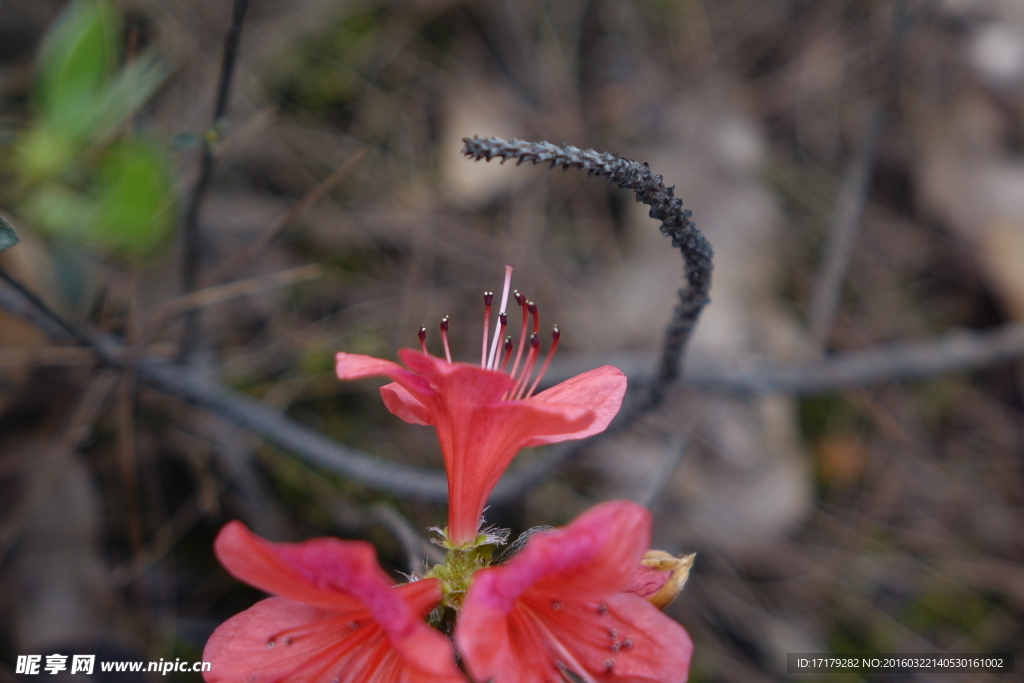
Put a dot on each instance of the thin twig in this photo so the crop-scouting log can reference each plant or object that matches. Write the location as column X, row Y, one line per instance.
column 195, row 388
column 291, row 436
column 208, row 296
column 191, row 235
column 845, row 221
column 853, row 194
column 665, row 206
column 16, row 356
column 246, row 254
column 661, row 477
column 417, row 550
column 952, row 352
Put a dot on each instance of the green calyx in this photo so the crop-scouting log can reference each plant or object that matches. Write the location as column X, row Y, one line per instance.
column 456, row 573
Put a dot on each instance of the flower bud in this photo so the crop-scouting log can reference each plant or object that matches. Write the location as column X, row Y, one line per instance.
column 661, row 577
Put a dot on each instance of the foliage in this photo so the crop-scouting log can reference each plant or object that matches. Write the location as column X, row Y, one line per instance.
column 81, row 173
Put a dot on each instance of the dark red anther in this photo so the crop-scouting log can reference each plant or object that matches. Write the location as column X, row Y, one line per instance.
column 520, row 298
column 488, row 299
column 423, row 338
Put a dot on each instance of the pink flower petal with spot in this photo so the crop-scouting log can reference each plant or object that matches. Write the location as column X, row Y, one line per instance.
column 338, row 618
column 558, row 606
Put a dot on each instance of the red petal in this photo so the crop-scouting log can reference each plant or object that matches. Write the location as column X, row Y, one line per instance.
column 313, row 572
column 338, row 582
column 558, row 602
column 592, row 558
column 403, row 404
column 600, row 390
column 647, row 581
column 458, row 384
column 358, row 366
column 479, row 443
column 282, row 640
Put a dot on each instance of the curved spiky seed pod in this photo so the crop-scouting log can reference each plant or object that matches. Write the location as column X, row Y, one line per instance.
column 665, row 207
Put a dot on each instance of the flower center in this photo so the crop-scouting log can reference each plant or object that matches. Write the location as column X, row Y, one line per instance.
column 495, row 354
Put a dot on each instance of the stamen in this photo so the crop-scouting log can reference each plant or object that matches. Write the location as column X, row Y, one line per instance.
column 536, row 316
column 423, row 338
column 492, row 359
column 488, row 298
column 531, row 360
column 444, row 338
column 555, row 334
column 508, row 353
column 521, row 300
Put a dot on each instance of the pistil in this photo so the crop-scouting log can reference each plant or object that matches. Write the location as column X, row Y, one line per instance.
column 492, row 360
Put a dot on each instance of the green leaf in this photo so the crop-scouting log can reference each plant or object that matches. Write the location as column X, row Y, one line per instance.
column 56, row 209
column 8, row 238
column 127, row 212
column 133, row 212
column 130, row 89
column 76, row 61
column 40, row 154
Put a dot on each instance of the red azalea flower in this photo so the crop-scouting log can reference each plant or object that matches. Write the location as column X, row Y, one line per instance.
column 338, row 618
column 484, row 415
column 558, row 607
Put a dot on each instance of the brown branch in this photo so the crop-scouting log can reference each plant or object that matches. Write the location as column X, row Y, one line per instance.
column 191, row 235
column 849, row 210
column 953, row 352
column 195, row 388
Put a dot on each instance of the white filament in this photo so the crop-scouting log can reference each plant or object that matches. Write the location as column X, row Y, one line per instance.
column 492, row 357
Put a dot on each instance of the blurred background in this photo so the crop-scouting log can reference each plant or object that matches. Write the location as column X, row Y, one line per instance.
column 845, row 452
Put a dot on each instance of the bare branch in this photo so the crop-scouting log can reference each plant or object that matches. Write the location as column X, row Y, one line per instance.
column 291, row 436
column 418, row 551
column 248, row 253
column 955, row 351
column 952, row 352
column 194, row 388
column 849, row 209
column 191, row 234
